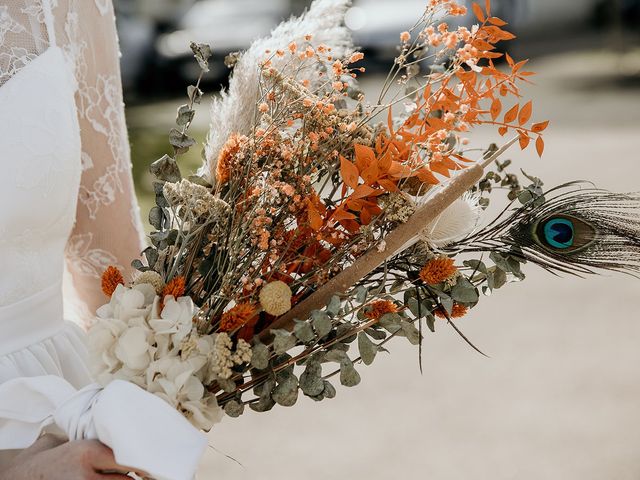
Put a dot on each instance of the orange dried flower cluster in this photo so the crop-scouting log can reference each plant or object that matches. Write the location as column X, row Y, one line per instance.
column 226, row 158
column 438, row 270
column 457, row 311
column 375, row 310
column 237, row 317
column 175, row 288
column 111, row 278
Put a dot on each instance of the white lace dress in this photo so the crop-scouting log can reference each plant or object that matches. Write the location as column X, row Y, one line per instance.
column 67, row 188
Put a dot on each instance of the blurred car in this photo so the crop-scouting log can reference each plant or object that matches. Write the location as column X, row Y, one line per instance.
column 227, row 26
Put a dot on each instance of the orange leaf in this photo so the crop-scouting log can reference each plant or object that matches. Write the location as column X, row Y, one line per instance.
column 370, row 175
column 496, row 108
column 388, row 185
column 511, row 115
column 477, row 10
column 539, row 145
column 349, row 173
column 524, row 140
column 365, row 156
column 362, row 191
column 497, row 21
column 365, row 216
column 315, row 220
column 502, row 131
column 540, row 127
column 487, row 4
column 525, row 113
column 425, row 176
column 341, row 214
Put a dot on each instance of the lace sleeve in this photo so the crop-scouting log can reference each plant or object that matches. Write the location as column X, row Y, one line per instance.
column 108, row 230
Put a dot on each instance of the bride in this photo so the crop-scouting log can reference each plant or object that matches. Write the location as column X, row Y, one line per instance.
column 67, row 195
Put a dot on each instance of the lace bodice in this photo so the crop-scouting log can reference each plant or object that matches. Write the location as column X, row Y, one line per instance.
column 42, row 158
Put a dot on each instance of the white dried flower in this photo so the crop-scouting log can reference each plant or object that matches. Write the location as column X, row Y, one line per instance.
column 243, row 353
column 275, row 298
column 151, row 278
column 195, row 202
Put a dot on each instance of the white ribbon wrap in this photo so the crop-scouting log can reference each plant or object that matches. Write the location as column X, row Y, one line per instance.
column 143, row 431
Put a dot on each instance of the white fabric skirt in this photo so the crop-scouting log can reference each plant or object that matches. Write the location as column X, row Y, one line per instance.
column 35, row 340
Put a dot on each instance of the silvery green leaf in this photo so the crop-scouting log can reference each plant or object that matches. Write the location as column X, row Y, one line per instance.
column 396, row 286
column 376, row 334
column 367, row 348
column 304, row 332
column 334, row 306
column 233, row 408
column 447, row 302
column 349, row 377
column 411, row 332
column 166, row 169
column 415, row 308
column 198, row 180
column 138, row 265
column 263, row 405
column 337, row 356
column 311, row 380
column 260, row 356
column 203, row 53
column 321, row 323
column 156, row 216
column 329, row 390
column 185, row 115
column 286, row 392
column 361, row 294
column 283, row 341
column 498, row 279
column 194, row 93
column 151, row 254
column 160, row 200
column 431, row 322
column 227, row 385
column 464, row 291
column 390, row 322
column 476, row 265
column 181, row 142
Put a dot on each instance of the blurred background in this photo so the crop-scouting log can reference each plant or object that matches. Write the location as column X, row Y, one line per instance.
column 559, row 397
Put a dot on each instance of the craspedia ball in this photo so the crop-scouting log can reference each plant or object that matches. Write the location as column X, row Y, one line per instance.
column 275, row 298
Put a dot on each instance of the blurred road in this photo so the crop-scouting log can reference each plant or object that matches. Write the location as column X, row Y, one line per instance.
column 559, row 397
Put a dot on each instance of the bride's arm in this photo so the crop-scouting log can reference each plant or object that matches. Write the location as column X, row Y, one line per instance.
column 108, row 230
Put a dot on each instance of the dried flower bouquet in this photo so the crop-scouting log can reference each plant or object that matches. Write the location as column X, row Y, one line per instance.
column 313, row 226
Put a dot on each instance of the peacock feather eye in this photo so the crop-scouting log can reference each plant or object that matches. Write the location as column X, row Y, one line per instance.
column 564, row 233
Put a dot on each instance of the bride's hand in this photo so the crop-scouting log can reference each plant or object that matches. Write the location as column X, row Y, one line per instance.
column 49, row 459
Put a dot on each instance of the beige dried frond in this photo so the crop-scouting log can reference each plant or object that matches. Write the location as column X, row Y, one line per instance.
column 234, row 111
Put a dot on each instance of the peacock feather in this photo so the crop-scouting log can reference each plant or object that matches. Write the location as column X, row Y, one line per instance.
column 574, row 228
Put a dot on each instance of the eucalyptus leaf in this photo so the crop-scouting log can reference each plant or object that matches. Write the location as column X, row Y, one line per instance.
column 260, row 356
column 361, row 294
column 333, row 308
column 203, row 53
column 321, row 323
column 166, row 169
column 311, row 382
column 286, row 392
column 156, row 217
column 447, row 302
column 349, row 377
column 329, row 390
column 283, row 341
column 227, row 385
column 185, row 115
column 410, row 331
column 367, row 348
column 304, row 332
column 464, row 291
column 233, row 408
column 181, row 142
column 194, row 94
column 390, row 322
